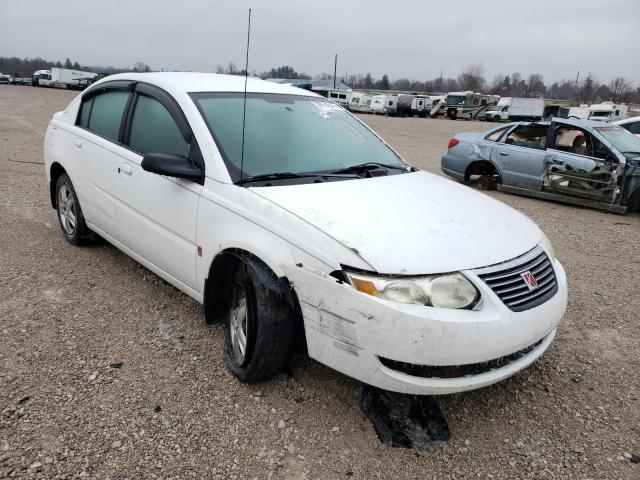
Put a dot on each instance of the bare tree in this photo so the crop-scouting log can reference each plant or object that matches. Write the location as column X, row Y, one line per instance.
column 620, row 89
column 496, row 85
column 232, row 69
column 517, row 85
column 219, row 69
column 471, row 78
column 534, row 86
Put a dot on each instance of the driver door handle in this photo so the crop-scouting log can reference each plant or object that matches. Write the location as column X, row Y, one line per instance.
column 77, row 142
column 503, row 153
column 125, row 168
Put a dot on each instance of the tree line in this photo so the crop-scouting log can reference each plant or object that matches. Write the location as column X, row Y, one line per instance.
column 584, row 89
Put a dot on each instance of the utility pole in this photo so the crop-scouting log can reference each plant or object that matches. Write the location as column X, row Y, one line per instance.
column 577, row 94
column 335, row 70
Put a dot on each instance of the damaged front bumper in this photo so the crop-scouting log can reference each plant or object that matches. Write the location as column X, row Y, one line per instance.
column 417, row 349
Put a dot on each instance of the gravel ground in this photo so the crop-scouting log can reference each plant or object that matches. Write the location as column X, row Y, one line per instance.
column 108, row 372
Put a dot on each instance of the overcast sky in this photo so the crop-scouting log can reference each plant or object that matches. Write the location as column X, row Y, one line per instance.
column 402, row 38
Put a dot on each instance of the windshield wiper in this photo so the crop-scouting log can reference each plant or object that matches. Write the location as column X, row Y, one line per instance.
column 363, row 167
column 287, row 175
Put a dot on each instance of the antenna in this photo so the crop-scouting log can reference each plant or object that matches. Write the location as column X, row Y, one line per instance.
column 244, row 105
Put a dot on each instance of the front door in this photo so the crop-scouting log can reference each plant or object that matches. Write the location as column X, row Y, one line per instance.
column 580, row 165
column 156, row 215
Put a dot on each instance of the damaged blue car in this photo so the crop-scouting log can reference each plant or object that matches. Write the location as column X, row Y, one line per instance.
column 580, row 162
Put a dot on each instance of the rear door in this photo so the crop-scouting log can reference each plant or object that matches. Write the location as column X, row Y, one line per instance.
column 156, row 215
column 579, row 164
column 520, row 154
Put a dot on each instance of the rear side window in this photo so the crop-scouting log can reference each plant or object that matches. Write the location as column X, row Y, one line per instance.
column 528, row 136
column 153, row 129
column 495, row 136
column 633, row 127
column 102, row 113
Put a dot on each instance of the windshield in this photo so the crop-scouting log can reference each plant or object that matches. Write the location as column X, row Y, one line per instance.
column 456, row 99
column 494, row 108
column 624, row 141
column 289, row 133
column 601, row 113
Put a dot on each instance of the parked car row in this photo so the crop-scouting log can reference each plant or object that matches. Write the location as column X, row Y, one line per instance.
column 11, row 80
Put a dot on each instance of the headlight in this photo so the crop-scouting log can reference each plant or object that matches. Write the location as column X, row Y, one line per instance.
column 451, row 290
column 546, row 243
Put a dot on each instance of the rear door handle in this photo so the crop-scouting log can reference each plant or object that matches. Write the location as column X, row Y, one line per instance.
column 503, row 153
column 77, row 142
column 555, row 160
column 125, row 168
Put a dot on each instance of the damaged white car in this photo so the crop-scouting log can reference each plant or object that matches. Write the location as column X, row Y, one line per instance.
column 301, row 225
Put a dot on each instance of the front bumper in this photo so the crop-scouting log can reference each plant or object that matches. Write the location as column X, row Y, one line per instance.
column 350, row 332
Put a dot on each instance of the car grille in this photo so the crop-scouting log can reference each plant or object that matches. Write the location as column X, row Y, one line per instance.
column 507, row 280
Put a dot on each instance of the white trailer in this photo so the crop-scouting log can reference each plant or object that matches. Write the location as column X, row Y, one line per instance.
column 607, row 112
column 338, row 96
column 360, row 102
column 67, row 78
column 514, row 109
column 378, row 103
column 581, row 112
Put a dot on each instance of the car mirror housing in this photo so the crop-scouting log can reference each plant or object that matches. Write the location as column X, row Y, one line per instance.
column 172, row 166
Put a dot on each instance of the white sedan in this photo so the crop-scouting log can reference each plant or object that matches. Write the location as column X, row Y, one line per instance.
column 299, row 225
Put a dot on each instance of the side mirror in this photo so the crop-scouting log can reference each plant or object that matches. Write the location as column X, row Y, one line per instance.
column 171, row 165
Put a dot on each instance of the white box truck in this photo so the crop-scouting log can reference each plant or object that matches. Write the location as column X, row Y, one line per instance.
column 514, row 109
column 607, row 111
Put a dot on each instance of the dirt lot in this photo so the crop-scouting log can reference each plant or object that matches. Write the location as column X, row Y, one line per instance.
column 69, row 316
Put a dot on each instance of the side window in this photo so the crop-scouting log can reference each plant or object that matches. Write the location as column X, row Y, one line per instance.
column 494, row 136
column 102, row 113
column 574, row 140
column 528, row 136
column 153, row 129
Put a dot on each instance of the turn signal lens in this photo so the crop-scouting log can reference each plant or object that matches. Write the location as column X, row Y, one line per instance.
column 453, row 142
column 364, row 286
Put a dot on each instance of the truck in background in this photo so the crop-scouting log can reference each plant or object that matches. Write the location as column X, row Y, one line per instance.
column 582, row 112
column 514, row 109
column 607, row 112
column 64, row 78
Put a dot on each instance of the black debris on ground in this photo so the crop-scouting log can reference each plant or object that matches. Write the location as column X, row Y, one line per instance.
column 635, row 458
column 405, row 421
column 116, row 365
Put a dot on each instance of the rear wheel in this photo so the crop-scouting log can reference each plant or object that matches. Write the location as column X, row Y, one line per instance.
column 70, row 216
column 259, row 329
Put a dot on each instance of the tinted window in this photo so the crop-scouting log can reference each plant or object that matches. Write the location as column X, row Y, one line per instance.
column 105, row 113
column 153, row 129
column 85, row 110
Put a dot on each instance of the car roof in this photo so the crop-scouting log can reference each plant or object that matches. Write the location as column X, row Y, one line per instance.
column 190, row 82
column 627, row 120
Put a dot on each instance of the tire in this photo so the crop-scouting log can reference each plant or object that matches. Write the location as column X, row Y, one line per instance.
column 70, row 216
column 266, row 322
column 496, row 119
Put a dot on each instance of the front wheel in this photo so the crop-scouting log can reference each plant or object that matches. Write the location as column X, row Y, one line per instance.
column 259, row 329
column 70, row 216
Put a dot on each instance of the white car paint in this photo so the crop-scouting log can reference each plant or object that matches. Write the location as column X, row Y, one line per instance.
column 413, row 223
column 632, row 124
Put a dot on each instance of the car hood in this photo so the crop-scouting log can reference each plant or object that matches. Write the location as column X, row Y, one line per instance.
column 413, row 223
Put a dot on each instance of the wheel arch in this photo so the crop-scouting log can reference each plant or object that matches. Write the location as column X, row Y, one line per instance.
column 56, row 171
column 216, row 287
column 634, row 200
column 481, row 167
